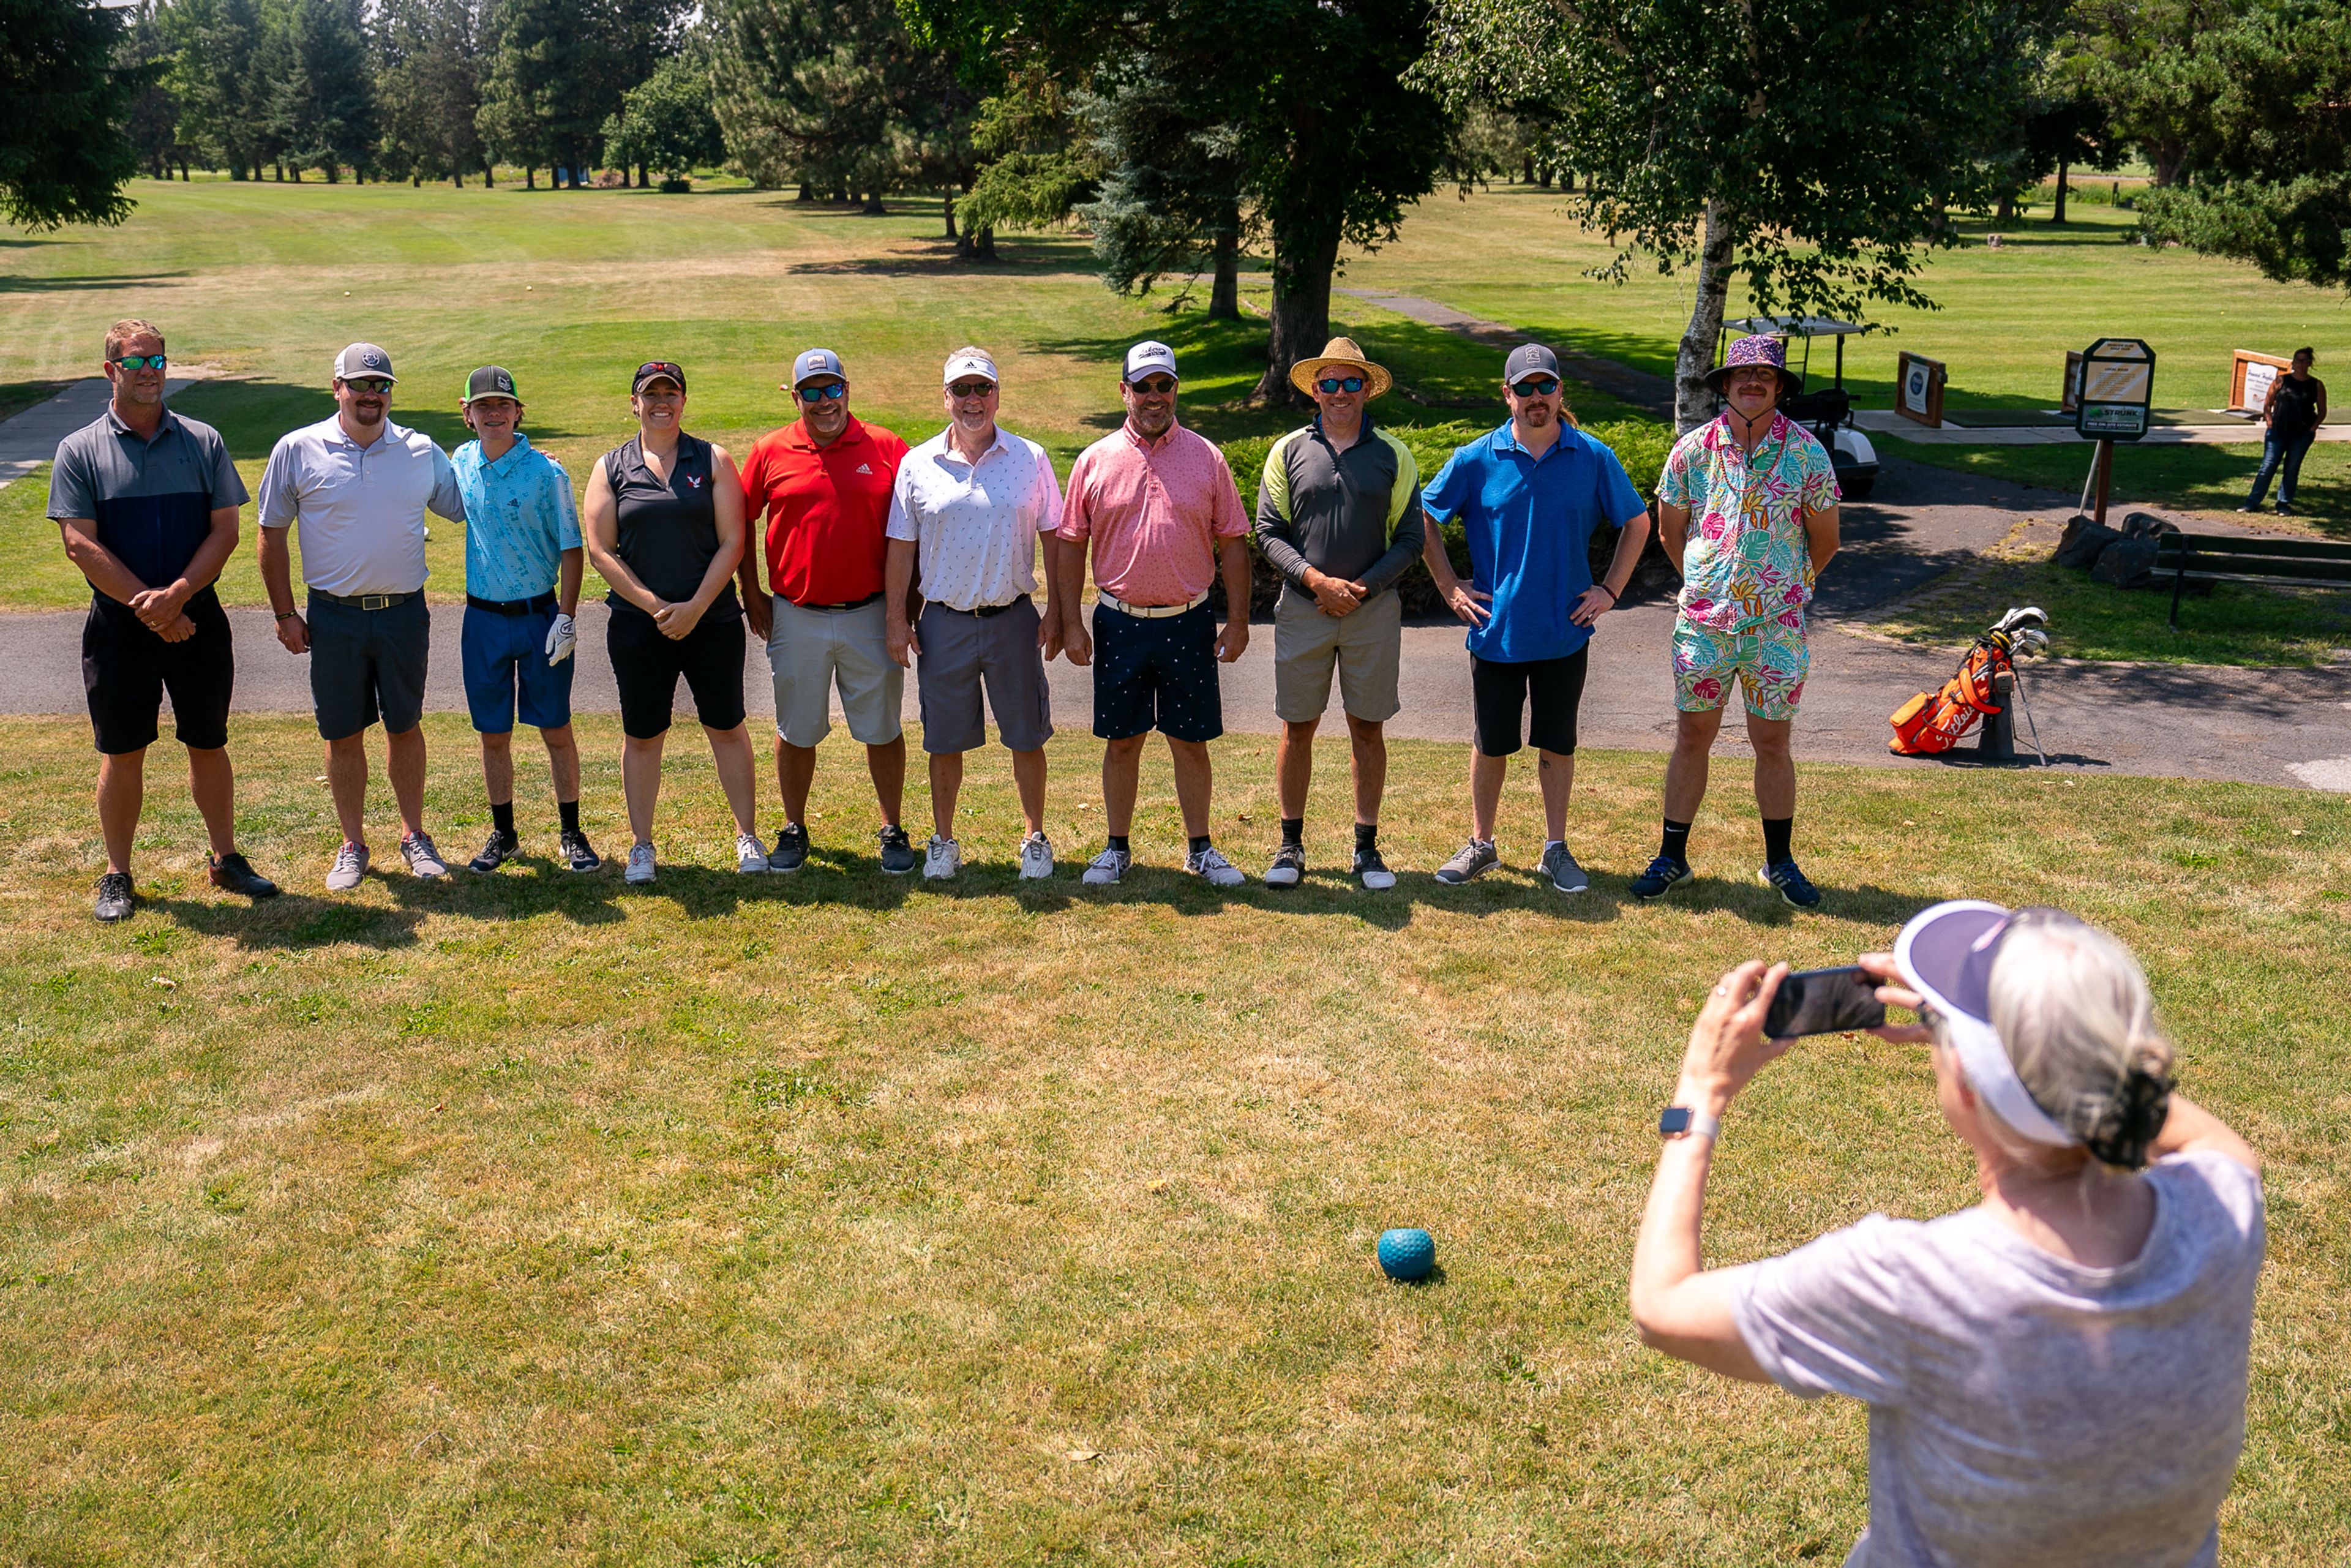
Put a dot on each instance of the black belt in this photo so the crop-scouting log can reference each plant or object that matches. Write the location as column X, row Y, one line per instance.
column 852, row 604
column 365, row 601
column 513, row 606
column 985, row 610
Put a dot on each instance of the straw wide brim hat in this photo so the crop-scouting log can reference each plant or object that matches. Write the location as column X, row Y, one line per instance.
column 1340, row 352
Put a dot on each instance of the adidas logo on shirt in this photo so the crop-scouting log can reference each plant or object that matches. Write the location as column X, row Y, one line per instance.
column 865, row 468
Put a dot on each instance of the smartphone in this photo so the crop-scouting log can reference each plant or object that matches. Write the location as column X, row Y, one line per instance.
column 1824, row 1001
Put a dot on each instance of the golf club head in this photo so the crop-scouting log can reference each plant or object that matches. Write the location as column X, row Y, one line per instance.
column 2030, row 642
column 2031, row 614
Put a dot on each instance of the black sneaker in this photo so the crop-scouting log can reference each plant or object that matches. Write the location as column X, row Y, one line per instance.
column 2286, row 509
column 898, row 856
column 1663, row 872
column 1289, row 866
column 577, row 852
column 1794, row 885
column 1374, row 870
column 115, row 899
column 232, row 873
column 501, row 849
column 791, row 849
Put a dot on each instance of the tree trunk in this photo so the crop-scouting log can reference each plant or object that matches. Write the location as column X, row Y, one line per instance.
column 529, row 177
column 2166, row 157
column 457, row 178
column 1224, row 288
column 2058, row 214
column 489, row 176
column 1693, row 399
column 1543, row 177
column 976, row 245
column 2006, row 212
column 808, row 192
column 1303, row 260
column 873, row 207
column 948, row 202
column 1527, row 169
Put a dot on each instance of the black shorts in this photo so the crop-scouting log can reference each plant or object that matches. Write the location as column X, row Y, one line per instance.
column 367, row 665
column 126, row 669
column 646, row 665
column 1545, row 693
column 1156, row 674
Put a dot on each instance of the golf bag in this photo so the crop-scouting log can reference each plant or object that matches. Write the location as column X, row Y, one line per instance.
column 1935, row 722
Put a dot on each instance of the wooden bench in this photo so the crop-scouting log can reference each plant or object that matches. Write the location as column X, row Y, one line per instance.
column 2233, row 557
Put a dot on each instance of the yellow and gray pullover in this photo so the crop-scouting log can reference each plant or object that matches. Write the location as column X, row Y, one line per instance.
column 1355, row 514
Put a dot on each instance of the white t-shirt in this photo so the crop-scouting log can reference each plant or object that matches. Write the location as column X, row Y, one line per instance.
column 976, row 522
column 2026, row 1412
column 360, row 509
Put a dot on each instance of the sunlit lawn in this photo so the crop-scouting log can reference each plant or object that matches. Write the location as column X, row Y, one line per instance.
column 839, row 1220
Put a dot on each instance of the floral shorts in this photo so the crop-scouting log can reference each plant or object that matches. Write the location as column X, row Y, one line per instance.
column 1771, row 660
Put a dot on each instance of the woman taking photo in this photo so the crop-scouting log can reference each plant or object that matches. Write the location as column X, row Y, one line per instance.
column 665, row 518
column 2055, row 1375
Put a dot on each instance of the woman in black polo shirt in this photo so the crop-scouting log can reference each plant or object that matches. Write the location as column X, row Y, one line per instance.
column 665, row 518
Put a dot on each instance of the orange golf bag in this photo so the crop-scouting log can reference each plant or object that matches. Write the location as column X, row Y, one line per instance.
column 1936, row 721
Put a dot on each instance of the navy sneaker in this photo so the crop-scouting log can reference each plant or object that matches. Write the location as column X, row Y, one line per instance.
column 1665, row 872
column 1794, row 885
column 898, row 855
column 791, row 849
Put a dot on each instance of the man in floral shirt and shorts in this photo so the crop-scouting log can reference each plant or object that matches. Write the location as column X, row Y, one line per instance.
column 1764, row 497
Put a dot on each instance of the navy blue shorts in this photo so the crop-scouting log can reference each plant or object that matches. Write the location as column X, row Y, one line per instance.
column 1157, row 674
column 367, row 665
column 506, row 654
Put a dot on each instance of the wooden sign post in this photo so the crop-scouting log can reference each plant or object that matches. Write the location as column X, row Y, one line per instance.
column 1918, row 388
column 2116, row 390
column 2250, row 376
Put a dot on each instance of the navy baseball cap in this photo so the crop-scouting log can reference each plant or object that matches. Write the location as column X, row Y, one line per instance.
column 657, row 369
column 815, row 362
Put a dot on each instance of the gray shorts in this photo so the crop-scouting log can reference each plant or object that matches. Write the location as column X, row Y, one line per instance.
column 367, row 665
column 1366, row 643
column 961, row 651
column 812, row 651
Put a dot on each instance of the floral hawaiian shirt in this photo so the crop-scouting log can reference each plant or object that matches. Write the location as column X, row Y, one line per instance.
column 1748, row 561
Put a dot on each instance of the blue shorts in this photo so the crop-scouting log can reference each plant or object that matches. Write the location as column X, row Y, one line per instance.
column 1157, row 674
column 504, row 655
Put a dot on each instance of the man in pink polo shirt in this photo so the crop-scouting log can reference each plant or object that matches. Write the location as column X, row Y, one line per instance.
column 1163, row 512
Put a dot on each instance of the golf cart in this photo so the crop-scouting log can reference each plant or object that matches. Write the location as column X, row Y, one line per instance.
column 1827, row 411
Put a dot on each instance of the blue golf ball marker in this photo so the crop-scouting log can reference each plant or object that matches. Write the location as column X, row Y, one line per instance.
column 1407, row 1254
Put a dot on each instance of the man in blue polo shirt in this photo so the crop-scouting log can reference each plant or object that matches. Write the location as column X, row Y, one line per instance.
column 1530, row 496
column 523, row 564
column 147, row 502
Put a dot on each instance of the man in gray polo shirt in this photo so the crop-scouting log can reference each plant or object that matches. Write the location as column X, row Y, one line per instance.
column 147, row 502
column 358, row 486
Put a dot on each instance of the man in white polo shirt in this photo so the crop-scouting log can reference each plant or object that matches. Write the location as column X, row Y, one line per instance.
column 969, row 507
column 357, row 486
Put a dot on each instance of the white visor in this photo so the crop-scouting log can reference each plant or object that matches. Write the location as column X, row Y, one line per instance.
column 1945, row 953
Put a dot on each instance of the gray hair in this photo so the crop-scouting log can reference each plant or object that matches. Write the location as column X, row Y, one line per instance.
column 2071, row 1007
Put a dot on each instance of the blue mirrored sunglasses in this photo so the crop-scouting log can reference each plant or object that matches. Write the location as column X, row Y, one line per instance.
column 1341, row 384
column 140, row 362
column 819, row 393
column 1536, row 386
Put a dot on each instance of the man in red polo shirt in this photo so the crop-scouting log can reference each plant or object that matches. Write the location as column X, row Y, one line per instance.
column 824, row 483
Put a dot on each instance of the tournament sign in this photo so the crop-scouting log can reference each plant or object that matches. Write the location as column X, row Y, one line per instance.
column 2117, row 388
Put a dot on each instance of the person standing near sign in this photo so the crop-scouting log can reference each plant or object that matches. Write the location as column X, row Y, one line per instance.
column 2295, row 409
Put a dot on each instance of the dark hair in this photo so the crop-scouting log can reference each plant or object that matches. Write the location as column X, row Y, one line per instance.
column 2311, row 352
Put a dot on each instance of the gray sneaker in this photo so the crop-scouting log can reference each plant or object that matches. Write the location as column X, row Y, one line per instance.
column 1565, row 875
column 1108, row 867
column 1211, row 864
column 1474, row 859
column 351, row 865
column 423, row 860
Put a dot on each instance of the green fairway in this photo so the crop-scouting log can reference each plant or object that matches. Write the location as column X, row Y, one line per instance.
column 839, row 1219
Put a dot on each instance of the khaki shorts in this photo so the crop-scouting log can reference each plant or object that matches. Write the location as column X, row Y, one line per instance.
column 812, row 651
column 1366, row 643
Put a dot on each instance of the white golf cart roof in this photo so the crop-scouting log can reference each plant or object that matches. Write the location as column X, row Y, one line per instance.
column 1796, row 327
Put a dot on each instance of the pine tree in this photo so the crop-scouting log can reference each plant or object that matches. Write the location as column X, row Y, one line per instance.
column 428, row 68
column 63, row 156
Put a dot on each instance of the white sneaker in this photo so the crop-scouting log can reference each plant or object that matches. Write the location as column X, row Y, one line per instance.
column 1036, row 857
column 1211, row 863
column 750, row 854
column 348, row 870
column 1108, row 867
column 942, row 858
column 641, row 864
column 423, row 860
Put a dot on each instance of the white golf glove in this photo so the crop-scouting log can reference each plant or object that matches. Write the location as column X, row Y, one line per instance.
column 562, row 636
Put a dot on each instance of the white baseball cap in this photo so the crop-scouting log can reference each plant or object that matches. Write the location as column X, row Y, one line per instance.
column 1146, row 358
column 363, row 360
column 974, row 363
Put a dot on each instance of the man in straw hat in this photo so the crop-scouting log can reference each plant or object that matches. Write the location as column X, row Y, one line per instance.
column 1338, row 515
column 1765, row 497
column 1530, row 496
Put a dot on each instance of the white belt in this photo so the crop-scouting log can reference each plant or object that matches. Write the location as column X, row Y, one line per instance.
column 1155, row 611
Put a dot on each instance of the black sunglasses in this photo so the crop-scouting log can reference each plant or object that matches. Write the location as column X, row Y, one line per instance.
column 1536, row 386
column 1157, row 386
column 971, row 389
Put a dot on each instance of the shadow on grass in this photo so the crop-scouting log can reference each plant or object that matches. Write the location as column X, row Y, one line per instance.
column 251, row 414
column 86, row 284
column 293, row 921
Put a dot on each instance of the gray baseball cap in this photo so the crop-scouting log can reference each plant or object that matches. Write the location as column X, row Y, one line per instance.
column 1530, row 360
column 815, row 362
column 490, row 380
column 363, row 360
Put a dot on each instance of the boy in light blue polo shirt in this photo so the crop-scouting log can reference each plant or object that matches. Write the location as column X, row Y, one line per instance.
column 523, row 566
column 1529, row 495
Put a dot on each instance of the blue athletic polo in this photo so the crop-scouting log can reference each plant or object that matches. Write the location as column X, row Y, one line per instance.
column 1530, row 522
column 519, row 519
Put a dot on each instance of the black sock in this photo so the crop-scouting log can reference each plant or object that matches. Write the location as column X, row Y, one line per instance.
column 1200, row 842
column 1367, row 836
column 503, row 815
column 1777, row 831
column 1675, row 845
column 569, row 812
column 1118, row 843
column 1293, row 831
